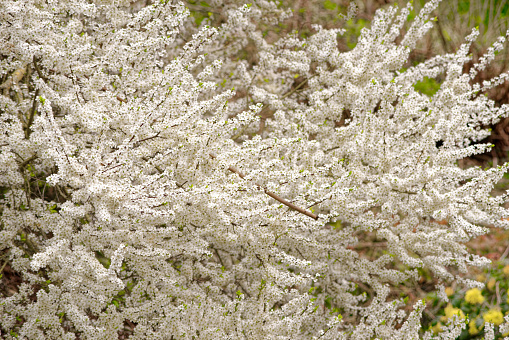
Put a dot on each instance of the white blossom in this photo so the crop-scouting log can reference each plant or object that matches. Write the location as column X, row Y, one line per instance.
column 150, row 176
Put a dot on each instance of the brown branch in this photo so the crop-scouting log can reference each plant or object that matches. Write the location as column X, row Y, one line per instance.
column 3, row 266
column 271, row 194
column 62, row 192
column 113, row 167
column 32, row 115
column 148, row 138
column 38, row 70
column 368, row 245
column 298, row 87
column 25, row 162
column 243, row 288
column 442, row 37
column 15, row 77
column 504, row 254
column 202, row 9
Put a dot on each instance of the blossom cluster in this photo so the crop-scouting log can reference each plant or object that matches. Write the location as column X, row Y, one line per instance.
column 156, row 183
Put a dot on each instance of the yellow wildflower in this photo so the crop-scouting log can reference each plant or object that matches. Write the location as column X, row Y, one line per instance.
column 491, row 283
column 494, row 316
column 450, row 311
column 449, row 291
column 437, row 328
column 481, row 278
column 474, row 296
column 472, row 328
column 506, row 270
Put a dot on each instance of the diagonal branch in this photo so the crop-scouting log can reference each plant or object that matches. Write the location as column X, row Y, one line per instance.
column 26, row 161
column 38, row 70
column 271, row 194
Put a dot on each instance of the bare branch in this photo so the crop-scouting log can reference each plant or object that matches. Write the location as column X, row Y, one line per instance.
column 271, row 194
column 32, row 115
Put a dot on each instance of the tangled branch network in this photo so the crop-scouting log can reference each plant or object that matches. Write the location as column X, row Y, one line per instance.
column 156, row 185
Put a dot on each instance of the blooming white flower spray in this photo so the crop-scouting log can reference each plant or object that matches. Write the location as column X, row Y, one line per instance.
column 155, row 183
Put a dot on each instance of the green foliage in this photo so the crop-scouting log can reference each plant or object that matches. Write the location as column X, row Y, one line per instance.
column 53, row 208
column 412, row 15
column 199, row 14
column 353, row 31
column 336, row 225
column 463, row 6
column 329, row 5
column 106, row 262
column 427, row 86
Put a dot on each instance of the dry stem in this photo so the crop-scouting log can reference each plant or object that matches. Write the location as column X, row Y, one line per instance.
column 271, row 194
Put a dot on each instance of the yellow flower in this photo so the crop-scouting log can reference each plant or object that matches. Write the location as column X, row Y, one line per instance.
column 494, row 316
column 481, row 278
column 491, row 283
column 506, row 270
column 474, row 296
column 472, row 328
column 437, row 328
column 450, row 311
column 449, row 291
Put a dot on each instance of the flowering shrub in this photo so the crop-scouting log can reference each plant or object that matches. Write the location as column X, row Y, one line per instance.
column 156, row 185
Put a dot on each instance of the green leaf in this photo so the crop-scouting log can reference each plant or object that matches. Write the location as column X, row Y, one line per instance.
column 463, row 6
column 329, row 5
column 328, row 303
column 427, row 86
column 336, row 225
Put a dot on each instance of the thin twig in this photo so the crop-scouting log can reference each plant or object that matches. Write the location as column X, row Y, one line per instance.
column 218, row 256
column 243, row 288
column 38, row 70
column 504, row 254
column 442, row 37
column 298, row 86
column 5, row 262
column 369, row 244
column 497, row 290
column 202, row 9
column 32, row 115
column 25, row 162
column 148, row 138
column 62, row 193
column 271, row 194
column 241, row 132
